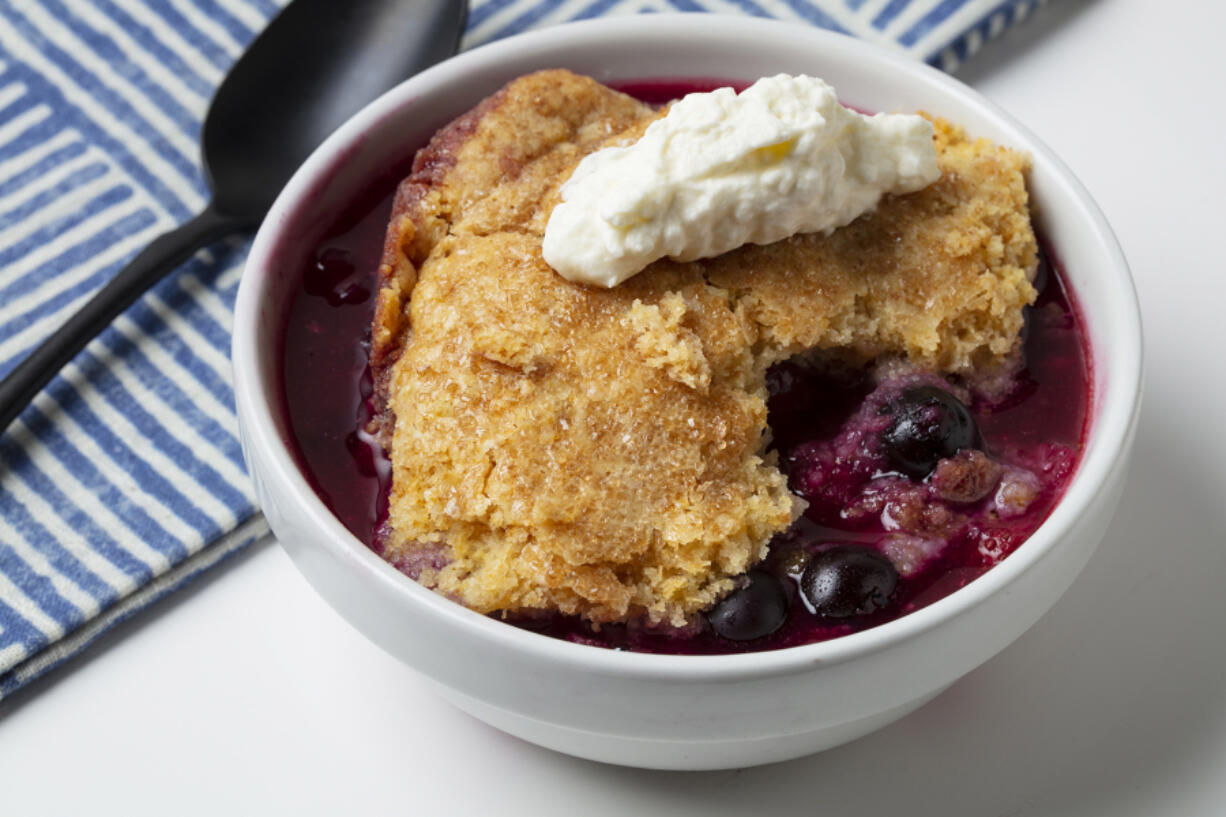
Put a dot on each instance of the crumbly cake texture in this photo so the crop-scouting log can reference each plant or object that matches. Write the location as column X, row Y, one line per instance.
column 603, row 452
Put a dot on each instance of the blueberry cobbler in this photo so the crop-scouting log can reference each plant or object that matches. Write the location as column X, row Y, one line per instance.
column 757, row 447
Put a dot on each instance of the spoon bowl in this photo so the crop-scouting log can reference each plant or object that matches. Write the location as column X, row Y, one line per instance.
column 318, row 64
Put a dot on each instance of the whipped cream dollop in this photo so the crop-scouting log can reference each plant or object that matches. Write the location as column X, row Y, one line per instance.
column 724, row 169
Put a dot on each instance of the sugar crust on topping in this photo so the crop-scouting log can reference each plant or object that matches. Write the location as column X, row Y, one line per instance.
column 603, row 452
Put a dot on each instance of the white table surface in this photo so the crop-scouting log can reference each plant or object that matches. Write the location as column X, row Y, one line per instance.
column 247, row 695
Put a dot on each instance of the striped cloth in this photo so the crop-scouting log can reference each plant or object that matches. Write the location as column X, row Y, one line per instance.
column 124, row 479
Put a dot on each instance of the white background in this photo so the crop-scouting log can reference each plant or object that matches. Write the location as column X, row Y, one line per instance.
column 245, row 694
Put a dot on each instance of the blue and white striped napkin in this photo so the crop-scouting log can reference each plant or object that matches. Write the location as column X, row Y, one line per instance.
column 124, row 479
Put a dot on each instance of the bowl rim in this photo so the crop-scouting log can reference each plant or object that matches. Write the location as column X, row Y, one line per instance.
column 256, row 399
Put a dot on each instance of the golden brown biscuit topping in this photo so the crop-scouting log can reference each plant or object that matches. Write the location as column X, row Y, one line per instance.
column 603, row 452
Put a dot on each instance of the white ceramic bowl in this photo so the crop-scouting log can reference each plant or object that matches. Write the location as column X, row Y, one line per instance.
column 685, row 712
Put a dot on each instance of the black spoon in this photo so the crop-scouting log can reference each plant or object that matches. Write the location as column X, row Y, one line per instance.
column 317, row 63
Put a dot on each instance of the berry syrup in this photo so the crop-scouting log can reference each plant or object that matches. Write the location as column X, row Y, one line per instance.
column 326, row 380
column 1038, row 428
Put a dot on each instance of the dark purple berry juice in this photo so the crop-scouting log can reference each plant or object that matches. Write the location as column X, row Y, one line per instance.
column 916, row 484
column 326, row 379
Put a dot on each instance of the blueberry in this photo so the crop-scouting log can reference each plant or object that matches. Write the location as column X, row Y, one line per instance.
column 754, row 610
column 848, row 580
column 929, row 425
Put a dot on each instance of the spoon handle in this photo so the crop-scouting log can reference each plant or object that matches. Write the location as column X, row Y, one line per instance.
column 165, row 253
